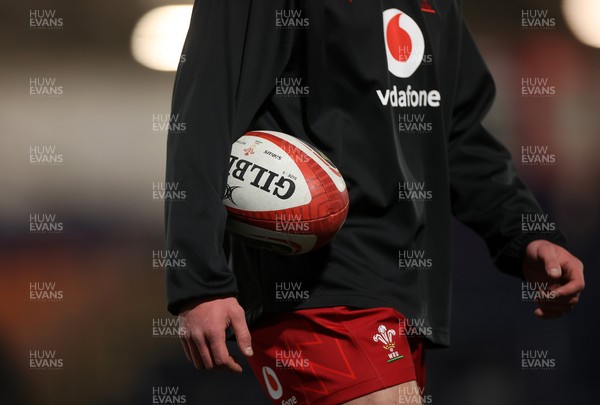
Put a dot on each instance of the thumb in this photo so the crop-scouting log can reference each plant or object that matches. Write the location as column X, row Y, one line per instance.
column 242, row 334
column 547, row 254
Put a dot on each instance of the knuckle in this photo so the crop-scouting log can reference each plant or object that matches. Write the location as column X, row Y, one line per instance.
column 211, row 340
column 243, row 334
column 214, row 343
column 219, row 361
column 213, row 334
column 238, row 311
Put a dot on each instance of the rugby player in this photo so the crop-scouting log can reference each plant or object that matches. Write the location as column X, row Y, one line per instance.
column 393, row 92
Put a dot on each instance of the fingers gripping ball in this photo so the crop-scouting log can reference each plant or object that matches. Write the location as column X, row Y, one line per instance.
column 283, row 194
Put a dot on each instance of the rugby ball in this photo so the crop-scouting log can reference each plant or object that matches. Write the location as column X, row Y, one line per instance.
column 283, row 194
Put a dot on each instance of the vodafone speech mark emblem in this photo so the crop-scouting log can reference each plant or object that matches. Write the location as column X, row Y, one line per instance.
column 272, row 382
column 404, row 43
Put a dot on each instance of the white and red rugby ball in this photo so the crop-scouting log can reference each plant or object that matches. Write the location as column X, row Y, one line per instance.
column 282, row 194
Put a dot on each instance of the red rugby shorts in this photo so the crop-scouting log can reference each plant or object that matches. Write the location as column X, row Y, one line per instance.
column 332, row 355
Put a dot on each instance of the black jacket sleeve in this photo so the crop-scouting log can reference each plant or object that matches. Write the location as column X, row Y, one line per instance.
column 487, row 195
column 230, row 60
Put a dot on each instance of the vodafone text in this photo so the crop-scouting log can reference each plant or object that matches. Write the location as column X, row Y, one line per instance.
column 409, row 97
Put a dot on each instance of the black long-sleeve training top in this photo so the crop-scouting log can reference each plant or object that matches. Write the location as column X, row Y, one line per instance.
column 393, row 92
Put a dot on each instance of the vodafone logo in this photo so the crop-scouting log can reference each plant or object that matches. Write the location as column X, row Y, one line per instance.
column 272, row 382
column 404, row 43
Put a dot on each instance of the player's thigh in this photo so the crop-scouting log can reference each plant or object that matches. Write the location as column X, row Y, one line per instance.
column 406, row 394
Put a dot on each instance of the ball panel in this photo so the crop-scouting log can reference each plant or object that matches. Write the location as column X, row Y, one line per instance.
column 319, row 175
column 263, row 166
column 289, row 227
column 262, row 177
column 258, row 236
column 316, row 156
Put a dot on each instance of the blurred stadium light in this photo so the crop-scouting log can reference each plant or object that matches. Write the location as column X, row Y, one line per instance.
column 583, row 18
column 158, row 36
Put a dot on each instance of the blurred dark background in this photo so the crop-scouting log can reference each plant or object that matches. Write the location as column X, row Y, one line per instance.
column 101, row 124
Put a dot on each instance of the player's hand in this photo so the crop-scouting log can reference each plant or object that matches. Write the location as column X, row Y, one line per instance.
column 203, row 329
column 546, row 262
